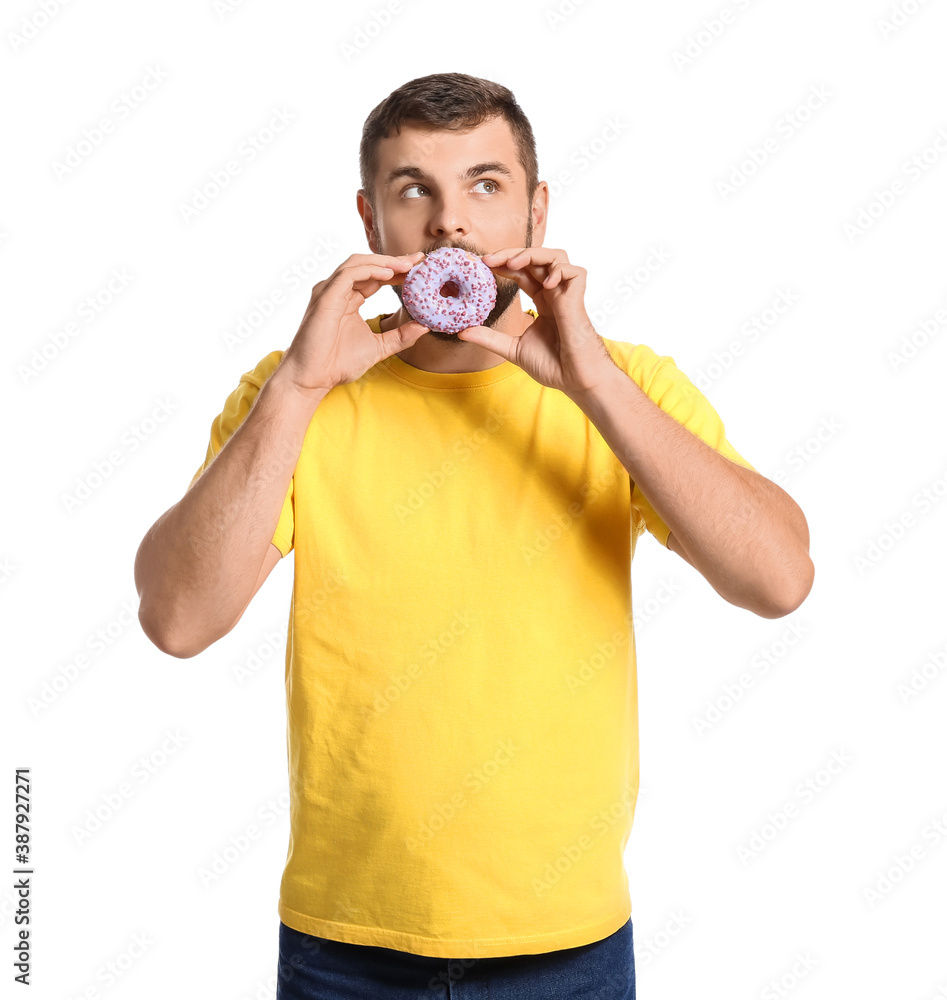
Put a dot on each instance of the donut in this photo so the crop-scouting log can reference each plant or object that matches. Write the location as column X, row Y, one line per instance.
column 449, row 290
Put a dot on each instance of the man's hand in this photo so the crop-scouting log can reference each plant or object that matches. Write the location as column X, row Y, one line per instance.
column 333, row 343
column 560, row 349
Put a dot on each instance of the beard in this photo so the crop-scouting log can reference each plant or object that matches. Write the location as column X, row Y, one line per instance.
column 506, row 287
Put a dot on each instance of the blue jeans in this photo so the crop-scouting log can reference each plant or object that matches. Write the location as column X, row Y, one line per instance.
column 314, row 968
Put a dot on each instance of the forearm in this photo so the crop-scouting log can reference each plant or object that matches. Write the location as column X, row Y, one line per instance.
column 740, row 530
column 197, row 566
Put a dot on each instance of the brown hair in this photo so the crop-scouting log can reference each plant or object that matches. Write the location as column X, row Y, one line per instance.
column 451, row 101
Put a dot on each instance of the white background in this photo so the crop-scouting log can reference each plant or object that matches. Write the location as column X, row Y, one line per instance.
column 816, row 400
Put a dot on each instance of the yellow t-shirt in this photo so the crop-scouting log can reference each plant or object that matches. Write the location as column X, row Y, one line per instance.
column 461, row 687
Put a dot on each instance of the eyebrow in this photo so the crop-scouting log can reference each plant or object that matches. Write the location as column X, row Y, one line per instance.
column 417, row 174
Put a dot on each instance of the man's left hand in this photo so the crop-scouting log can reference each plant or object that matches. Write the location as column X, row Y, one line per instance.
column 560, row 348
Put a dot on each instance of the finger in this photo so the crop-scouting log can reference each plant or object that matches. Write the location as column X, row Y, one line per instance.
column 407, row 260
column 395, row 265
column 400, row 337
column 385, row 260
column 541, row 263
column 384, row 269
column 536, row 255
column 500, row 256
column 367, row 288
column 522, row 278
column 363, row 280
column 359, row 272
column 558, row 273
column 366, row 279
column 493, row 340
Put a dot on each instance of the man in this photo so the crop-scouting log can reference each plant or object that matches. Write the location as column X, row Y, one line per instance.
column 460, row 673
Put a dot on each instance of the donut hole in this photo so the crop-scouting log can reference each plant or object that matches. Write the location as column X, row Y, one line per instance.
column 450, row 289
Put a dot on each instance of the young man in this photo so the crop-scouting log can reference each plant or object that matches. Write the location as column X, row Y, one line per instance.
column 460, row 674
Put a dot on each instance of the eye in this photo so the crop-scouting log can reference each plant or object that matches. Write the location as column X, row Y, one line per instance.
column 410, row 187
column 493, row 184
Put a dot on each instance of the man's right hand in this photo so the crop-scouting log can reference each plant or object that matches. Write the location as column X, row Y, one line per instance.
column 334, row 344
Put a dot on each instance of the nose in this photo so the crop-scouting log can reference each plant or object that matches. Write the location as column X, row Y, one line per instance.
column 448, row 218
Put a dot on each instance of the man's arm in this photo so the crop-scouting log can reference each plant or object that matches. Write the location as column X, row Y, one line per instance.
column 202, row 561
column 745, row 535
column 675, row 546
column 741, row 531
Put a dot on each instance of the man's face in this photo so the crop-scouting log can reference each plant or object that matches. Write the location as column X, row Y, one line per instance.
column 437, row 188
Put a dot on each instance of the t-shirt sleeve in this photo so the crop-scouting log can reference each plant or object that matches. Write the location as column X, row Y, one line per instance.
column 667, row 386
column 234, row 412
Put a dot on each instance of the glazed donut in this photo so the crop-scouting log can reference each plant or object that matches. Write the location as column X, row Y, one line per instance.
column 449, row 290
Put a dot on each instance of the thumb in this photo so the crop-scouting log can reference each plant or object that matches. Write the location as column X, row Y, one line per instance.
column 493, row 340
column 401, row 337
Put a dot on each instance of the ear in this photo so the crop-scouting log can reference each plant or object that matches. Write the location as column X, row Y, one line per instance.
column 368, row 219
column 540, row 210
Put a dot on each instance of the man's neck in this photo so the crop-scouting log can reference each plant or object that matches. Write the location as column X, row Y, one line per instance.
column 455, row 356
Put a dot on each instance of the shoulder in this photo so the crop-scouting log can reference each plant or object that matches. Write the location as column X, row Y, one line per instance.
column 263, row 370
column 640, row 362
column 257, row 376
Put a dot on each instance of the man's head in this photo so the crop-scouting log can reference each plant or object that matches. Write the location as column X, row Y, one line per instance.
column 450, row 160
